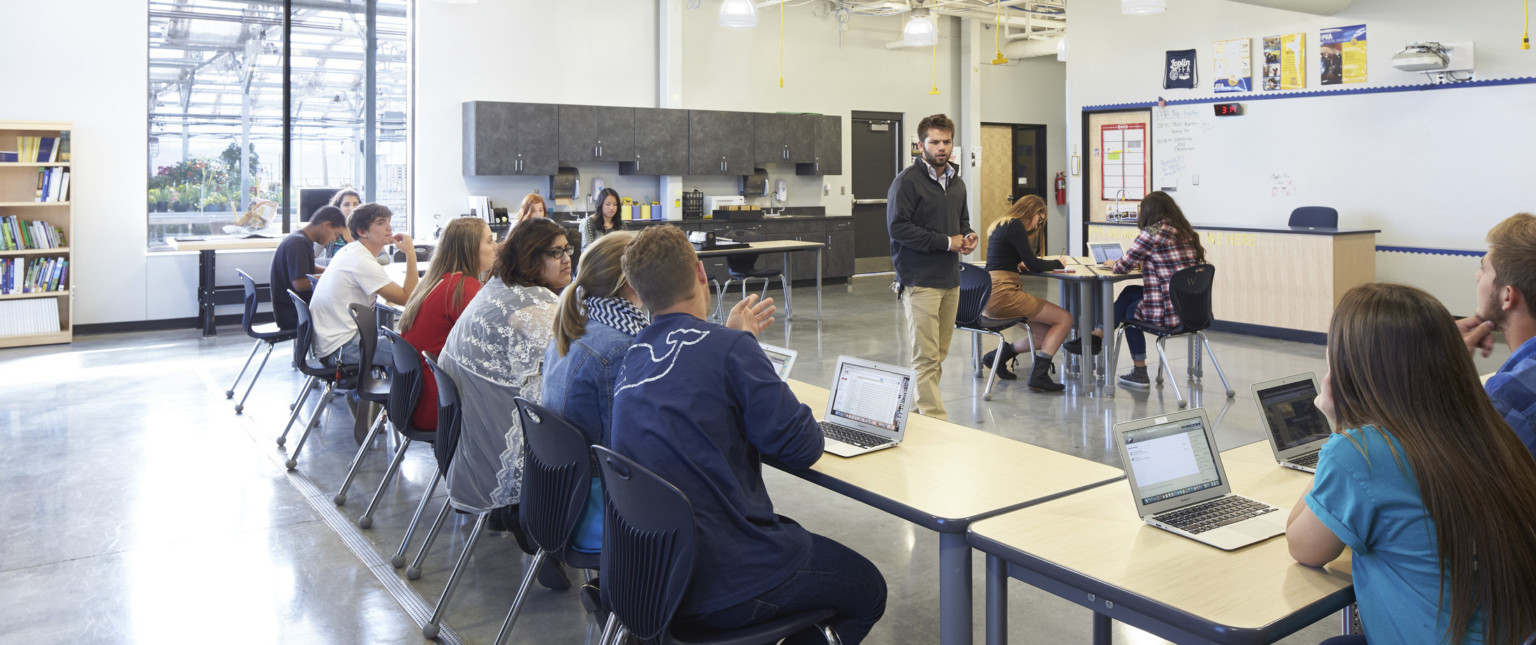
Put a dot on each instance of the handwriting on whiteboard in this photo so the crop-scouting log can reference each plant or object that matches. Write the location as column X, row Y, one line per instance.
column 1281, row 185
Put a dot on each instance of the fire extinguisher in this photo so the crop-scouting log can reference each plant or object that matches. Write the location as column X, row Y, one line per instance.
column 1061, row 189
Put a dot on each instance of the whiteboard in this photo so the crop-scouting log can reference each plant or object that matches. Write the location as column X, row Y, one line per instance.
column 1432, row 169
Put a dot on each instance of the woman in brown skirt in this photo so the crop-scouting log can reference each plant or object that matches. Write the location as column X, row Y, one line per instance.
column 1009, row 254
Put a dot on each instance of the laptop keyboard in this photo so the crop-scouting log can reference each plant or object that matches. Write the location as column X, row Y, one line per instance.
column 1214, row 514
column 1306, row 461
column 850, row 436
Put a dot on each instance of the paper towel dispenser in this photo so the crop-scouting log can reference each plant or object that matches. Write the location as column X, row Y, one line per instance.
column 566, row 184
column 755, row 184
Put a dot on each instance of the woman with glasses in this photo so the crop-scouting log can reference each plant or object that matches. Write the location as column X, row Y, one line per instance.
column 493, row 354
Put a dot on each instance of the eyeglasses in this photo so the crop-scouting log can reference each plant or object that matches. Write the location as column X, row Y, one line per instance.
column 555, row 253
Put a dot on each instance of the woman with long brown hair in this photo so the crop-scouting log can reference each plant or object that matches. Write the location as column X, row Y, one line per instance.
column 464, row 254
column 1166, row 244
column 1423, row 480
column 1009, row 253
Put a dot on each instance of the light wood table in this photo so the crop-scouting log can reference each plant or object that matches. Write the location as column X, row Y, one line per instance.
column 778, row 246
column 943, row 477
column 210, row 295
column 1078, row 290
column 1092, row 549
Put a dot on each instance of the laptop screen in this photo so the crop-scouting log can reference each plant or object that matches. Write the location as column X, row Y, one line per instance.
column 870, row 395
column 780, row 361
column 1291, row 416
column 1171, row 460
column 1105, row 251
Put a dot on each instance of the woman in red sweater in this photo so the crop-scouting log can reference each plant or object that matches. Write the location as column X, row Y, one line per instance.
column 465, row 252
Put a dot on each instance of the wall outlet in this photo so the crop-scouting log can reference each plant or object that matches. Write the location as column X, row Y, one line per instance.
column 1194, row 179
column 826, row 189
column 842, row 190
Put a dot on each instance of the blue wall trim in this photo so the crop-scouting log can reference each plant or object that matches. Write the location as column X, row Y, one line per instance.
column 1424, row 251
column 1382, row 89
column 1265, row 331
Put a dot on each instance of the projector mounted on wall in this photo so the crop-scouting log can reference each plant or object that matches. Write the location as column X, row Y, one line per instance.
column 1421, row 57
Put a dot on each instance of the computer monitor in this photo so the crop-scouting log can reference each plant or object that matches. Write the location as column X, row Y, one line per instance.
column 311, row 199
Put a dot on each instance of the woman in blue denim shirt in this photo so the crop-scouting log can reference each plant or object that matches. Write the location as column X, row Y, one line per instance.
column 598, row 317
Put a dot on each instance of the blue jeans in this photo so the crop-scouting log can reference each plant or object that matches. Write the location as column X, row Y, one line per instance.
column 834, row 577
column 1125, row 304
column 383, row 352
column 1352, row 639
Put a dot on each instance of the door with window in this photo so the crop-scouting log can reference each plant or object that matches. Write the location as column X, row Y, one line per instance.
column 876, row 160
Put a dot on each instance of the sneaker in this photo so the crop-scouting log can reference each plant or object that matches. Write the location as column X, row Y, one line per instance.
column 1136, row 378
column 1002, row 370
column 1075, row 346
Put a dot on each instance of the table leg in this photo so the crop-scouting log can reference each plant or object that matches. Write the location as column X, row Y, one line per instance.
column 1107, row 323
column 954, row 589
column 788, row 300
column 1084, row 331
column 997, row 601
column 818, row 283
column 205, row 288
column 1103, row 629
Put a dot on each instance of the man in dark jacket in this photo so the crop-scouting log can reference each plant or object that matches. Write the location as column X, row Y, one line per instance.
column 930, row 229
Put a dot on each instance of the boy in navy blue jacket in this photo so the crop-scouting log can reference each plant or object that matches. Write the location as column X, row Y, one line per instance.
column 699, row 404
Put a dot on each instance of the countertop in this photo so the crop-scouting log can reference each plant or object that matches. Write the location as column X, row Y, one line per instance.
column 1293, row 230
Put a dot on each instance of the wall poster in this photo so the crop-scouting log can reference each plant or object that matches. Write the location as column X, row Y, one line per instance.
column 1180, row 72
column 1233, row 66
column 1285, row 62
column 1343, row 54
column 1124, row 147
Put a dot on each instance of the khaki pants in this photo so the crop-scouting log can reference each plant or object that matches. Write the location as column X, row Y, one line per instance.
column 930, row 325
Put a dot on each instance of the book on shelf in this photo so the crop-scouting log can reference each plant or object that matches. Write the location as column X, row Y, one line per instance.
column 9, row 156
column 37, row 275
column 19, row 234
column 52, row 185
column 18, row 317
column 41, row 149
column 63, row 151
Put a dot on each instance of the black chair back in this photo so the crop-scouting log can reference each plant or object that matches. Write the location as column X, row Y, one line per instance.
column 405, row 381
column 450, row 416
column 303, row 339
column 647, row 558
column 1190, row 292
column 1315, row 216
column 248, row 317
column 557, row 475
column 975, row 288
column 367, row 323
column 743, row 263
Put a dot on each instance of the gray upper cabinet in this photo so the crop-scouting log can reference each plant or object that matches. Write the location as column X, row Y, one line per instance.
column 827, row 144
column 661, row 143
column 783, row 138
column 719, row 143
column 593, row 133
column 510, row 138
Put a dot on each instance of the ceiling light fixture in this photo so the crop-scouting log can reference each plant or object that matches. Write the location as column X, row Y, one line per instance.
column 738, row 14
column 920, row 31
column 1143, row 7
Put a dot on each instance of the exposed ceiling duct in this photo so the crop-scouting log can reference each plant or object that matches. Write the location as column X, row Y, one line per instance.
column 1318, row 7
column 1032, row 48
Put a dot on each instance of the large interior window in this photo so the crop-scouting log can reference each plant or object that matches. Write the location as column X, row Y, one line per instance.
column 219, row 138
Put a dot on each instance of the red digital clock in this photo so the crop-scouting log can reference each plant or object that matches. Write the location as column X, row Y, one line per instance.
column 1229, row 109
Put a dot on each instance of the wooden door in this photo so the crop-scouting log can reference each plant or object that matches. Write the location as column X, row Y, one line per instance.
column 996, row 180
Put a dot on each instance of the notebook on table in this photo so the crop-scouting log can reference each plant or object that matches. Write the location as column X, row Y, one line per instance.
column 1296, row 428
column 1105, row 251
column 867, row 406
column 782, row 358
column 1180, row 485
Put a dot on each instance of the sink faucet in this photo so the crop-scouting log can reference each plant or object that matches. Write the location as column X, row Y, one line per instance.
column 1119, row 196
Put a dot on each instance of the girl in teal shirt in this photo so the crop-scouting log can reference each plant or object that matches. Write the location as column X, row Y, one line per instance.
column 1426, row 484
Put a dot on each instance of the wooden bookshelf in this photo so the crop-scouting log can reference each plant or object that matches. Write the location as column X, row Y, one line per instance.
column 18, row 183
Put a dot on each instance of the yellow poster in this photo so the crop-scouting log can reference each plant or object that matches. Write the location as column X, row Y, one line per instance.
column 1293, row 62
column 1343, row 54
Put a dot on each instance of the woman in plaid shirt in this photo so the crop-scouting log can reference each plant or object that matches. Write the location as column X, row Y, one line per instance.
column 1166, row 244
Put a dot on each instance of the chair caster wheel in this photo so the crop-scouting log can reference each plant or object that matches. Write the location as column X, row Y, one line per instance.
column 398, row 561
column 291, row 464
column 364, row 522
column 429, row 630
column 291, row 407
column 341, row 500
column 229, row 394
column 1231, row 394
column 1183, row 404
column 282, row 440
column 239, row 409
column 413, row 573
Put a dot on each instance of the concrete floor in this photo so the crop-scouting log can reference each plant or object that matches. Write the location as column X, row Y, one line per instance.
column 142, row 509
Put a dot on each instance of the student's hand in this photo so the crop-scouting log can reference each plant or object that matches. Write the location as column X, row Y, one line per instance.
column 751, row 316
column 403, row 242
column 1022, row 268
column 1477, row 334
column 957, row 243
column 970, row 242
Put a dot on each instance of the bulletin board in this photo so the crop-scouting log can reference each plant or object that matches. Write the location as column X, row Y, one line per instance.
column 1123, row 147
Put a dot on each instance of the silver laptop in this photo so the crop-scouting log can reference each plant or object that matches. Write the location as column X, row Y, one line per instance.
column 867, row 407
column 1105, row 251
column 1297, row 429
column 1179, row 484
column 783, row 359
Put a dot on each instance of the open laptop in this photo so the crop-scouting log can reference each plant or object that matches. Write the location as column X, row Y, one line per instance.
column 783, row 359
column 1179, row 484
column 1297, row 429
column 867, row 407
column 1105, row 251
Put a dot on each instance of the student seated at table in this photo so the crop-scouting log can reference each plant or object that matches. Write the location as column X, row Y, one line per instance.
column 493, row 354
column 604, row 220
column 701, row 406
column 597, row 321
column 294, row 261
column 1008, row 254
column 464, row 253
column 354, row 277
column 1506, row 284
column 1422, row 480
column 346, row 200
column 1166, row 244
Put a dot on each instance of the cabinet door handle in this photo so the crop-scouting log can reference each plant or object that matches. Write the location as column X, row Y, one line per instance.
column 597, row 151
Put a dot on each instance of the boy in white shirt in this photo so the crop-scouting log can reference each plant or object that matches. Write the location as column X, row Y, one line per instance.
column 353, row 276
